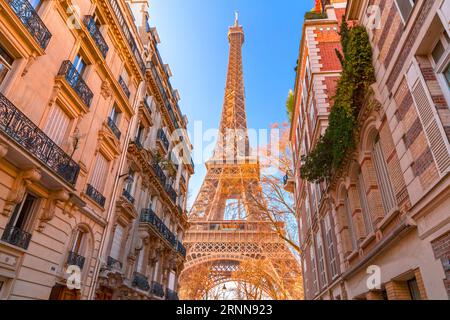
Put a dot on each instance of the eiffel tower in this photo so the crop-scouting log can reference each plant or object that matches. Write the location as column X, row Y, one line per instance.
column 226, row 227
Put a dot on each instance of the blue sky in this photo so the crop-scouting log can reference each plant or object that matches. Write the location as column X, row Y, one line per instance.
column 194, row 43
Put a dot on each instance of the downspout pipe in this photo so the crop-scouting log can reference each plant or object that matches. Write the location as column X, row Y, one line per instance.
column 123, row 157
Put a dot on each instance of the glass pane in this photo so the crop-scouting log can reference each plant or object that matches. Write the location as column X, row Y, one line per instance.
column 405, row 8
column 35, row 3
column 447, row 75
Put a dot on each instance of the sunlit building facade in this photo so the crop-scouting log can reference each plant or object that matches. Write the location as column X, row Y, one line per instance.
column 381, row 229
column 80, row 124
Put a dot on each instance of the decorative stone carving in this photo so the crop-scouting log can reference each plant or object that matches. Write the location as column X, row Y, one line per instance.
column 19, row 187
column 48, row 211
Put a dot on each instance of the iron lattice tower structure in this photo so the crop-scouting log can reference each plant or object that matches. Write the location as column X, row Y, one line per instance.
column 231, row 182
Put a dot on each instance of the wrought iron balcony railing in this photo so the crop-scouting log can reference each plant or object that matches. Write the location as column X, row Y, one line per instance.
column 23, row 131
column 138, row 143
column 96, row 35
column 127, row 195
column 163, row 138
column 171, row 295
column 31, row 20
column 140, row 281
column 181, row 249
column 124, row 87
column 149, row 216
column 157, row 289
column 160, row 173
column 128, row 36
column 111, row 263
column 112, row 125
column 77, row 83
column 16, row 236
column 95, row 195
column 74, row 259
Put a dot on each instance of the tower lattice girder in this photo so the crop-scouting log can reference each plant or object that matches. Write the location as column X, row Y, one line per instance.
column 232, row 174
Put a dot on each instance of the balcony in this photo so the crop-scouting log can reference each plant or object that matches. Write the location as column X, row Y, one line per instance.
column 76, row 82
column 157, row 289
column 95, row 195
column 124, row 87
column 181, row 249
column 113, row 263
column 140, row 281
column 17, row 237
column 163, row 139
column 31, row 20
column 127, row 195
column 172, row 295
column 150, row 217
column 24, row 132
column 96, row 35
column 74, row 259
column 112, row 125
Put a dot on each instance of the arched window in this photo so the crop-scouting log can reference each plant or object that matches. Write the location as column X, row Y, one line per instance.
column 351, row 228
column 364, row 204
column 384, row 182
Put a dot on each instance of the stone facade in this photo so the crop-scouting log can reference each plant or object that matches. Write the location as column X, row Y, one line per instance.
column 87, row 114
column 389, row 207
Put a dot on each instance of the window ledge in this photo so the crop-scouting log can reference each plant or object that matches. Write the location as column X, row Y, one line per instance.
column 388, row 218
column 367, row 240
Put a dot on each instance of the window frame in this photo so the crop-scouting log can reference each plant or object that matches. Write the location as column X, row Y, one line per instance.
column 4, row 56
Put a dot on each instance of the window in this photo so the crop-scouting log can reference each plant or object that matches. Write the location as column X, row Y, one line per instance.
column 438, row 52
column 323, row 277
column 234, row 210
column 6, row 62
column 313, row 268
column 405, row 8
column 100, row 173
column 384, row 181
column 140, row 261
column 330, row 246
column 117, row 242
column 351, row 228
column 308, row 211
column 364, row 204
column 172, row 277
column 139, row 133
column 312, row 115
column 57, row 125
column 414, row 289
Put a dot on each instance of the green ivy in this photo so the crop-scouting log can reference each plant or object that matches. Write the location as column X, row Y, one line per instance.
column 358, row 74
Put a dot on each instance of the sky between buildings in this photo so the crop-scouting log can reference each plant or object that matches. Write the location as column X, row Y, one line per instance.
column 194, row 43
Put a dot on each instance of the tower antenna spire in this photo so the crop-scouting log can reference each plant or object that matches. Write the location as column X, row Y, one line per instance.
column 236, row 18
